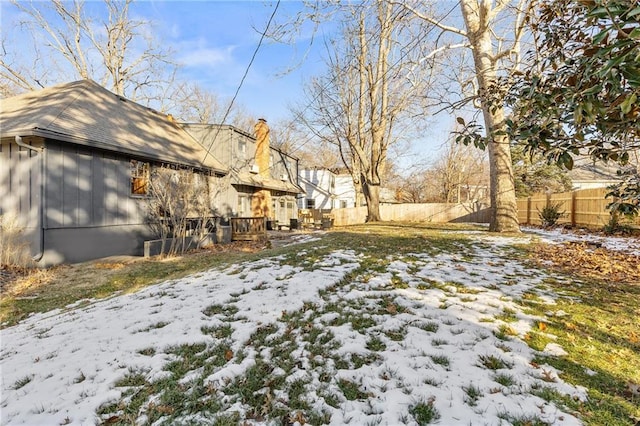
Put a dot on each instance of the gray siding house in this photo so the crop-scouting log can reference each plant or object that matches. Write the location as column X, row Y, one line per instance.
column 249, row 175
column 74, row 164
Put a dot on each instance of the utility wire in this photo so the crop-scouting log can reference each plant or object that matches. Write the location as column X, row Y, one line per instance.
column 299, row 115
column 253, row 57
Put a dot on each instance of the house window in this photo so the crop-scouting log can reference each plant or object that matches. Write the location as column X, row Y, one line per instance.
column 343, row 204
column 243, row 205
column 311, row 203
column 139, row 177
column 242, row 148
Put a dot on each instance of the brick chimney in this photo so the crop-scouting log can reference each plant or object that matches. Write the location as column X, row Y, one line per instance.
column 261, row 200
column 262, row 147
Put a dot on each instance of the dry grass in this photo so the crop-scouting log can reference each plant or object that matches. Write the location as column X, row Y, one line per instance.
column 41, row 290
column 600, row 302
column 14, row 248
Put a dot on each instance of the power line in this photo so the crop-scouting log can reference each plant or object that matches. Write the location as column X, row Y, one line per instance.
column 323, row 88
column 253, row 57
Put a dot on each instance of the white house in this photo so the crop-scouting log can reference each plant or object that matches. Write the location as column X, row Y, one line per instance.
column 587, row 174
column 325, row 189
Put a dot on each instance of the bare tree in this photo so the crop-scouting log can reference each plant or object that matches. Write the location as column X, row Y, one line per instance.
column 119, row 52
column 492, row 55
column 179, row 207
column 295, row 138
column 192, row 103
column 459, row 174
column 364, row 102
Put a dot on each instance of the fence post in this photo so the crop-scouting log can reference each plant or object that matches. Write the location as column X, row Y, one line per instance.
column 574, row 203
column 528, row 210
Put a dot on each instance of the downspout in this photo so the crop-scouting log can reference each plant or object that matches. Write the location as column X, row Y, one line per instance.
column 40, row 151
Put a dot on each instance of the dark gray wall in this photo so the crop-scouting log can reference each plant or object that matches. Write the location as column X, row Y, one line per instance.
column 20, row 177
column 72, row 245
column 85, row 188
column 88, row 211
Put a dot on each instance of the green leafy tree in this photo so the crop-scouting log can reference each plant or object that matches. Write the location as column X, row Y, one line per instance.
column 581, row 94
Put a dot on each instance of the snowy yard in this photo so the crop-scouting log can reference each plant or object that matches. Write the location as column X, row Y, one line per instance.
column 338, row 334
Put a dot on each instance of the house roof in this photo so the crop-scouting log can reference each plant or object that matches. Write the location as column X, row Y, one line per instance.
column 257, row 181
column 207, row 133
column 586, row 170
column 85, row 113
column 206, row 130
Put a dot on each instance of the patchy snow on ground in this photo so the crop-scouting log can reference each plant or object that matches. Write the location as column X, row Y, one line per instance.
column 434, row 332
column 71, row 360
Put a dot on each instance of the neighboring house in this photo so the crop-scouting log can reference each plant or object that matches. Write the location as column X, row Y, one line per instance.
column 319, row 187
column 587, row 174
column 345, row 191
column 325, row 189
column 263, row 180
column 75, row 160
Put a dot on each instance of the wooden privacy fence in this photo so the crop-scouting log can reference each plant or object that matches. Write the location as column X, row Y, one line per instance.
column 587, row 207
column 427, row 212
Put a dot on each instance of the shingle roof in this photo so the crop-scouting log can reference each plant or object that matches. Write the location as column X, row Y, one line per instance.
column 85, row 113
column 586, row 170
column 257, row 181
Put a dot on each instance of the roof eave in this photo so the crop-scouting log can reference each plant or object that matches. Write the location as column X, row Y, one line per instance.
column 291, row 188
column 44, row 133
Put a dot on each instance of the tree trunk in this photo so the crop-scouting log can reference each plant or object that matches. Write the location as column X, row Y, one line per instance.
column 504, row 209
column 504, row 212
column 372, row 196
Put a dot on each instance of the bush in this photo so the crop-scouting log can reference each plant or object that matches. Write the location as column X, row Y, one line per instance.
column 615, row 225
column 551, row 214
column 14, row 248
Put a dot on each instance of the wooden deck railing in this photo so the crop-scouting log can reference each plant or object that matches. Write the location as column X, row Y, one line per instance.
column 315, row 218
column 248, row 228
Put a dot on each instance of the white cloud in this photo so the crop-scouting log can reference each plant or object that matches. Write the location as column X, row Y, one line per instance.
column 198, row 56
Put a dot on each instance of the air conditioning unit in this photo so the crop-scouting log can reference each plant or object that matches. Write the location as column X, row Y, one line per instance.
column 255, row 169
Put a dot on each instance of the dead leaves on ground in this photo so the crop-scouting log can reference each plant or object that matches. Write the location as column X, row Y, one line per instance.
column 109, row 265
column 239, row 246
column 29, row 282
column 591, row 262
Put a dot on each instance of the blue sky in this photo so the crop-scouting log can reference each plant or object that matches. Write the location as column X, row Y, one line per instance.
column 214, row 42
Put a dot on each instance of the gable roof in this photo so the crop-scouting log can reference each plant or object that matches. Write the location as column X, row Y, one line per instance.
column 206, row 134
column 204, row 131
column 587, row 170
column 257, row 181
column 85, row 113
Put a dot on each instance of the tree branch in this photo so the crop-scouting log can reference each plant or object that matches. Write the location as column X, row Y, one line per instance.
column 431, row 20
